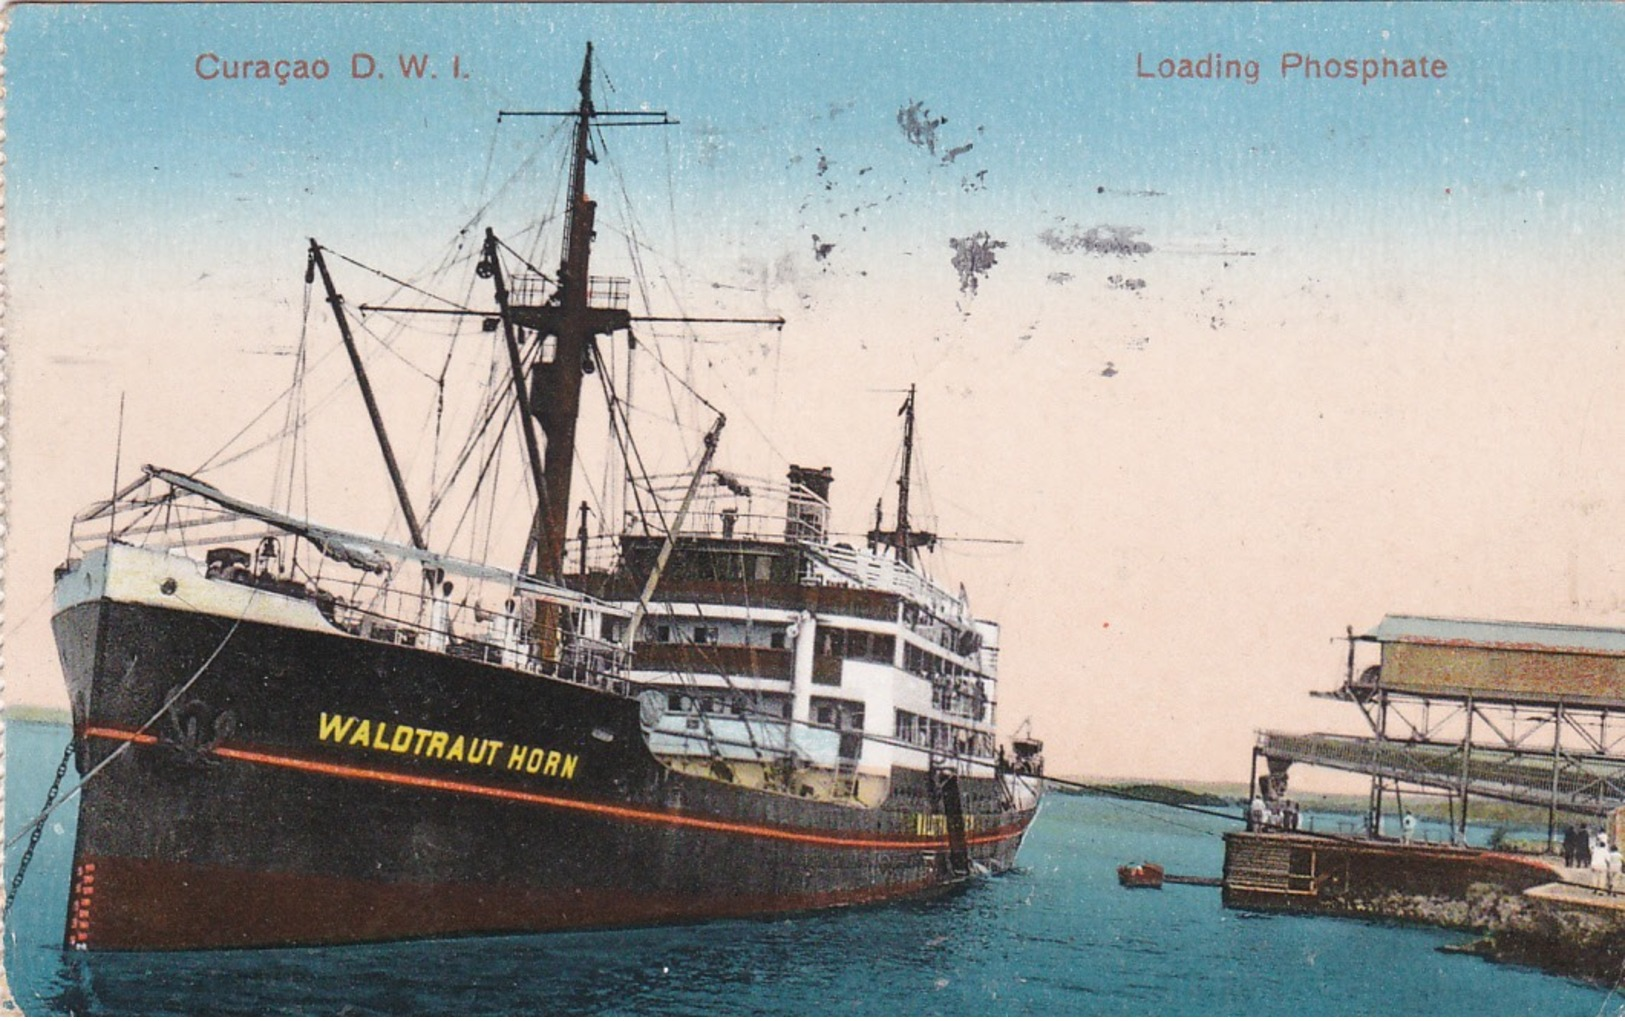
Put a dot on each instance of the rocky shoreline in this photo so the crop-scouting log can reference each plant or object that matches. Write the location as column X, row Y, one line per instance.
column 1564, row 938
column 1567, row 937
column 1524, row 909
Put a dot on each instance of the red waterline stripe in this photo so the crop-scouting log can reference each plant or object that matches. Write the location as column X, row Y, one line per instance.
column 635, row 814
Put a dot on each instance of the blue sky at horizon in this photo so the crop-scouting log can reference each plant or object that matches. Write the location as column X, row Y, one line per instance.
column 1054, row 109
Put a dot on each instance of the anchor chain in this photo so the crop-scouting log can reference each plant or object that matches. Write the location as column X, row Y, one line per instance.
column 39, row 829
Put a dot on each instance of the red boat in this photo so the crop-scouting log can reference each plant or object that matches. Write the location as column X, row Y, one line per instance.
column 1144, row 876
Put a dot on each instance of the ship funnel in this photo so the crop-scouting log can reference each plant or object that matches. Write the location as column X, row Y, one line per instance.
column 806, row 513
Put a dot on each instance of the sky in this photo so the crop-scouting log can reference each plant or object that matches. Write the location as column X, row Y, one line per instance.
column 1251, row 363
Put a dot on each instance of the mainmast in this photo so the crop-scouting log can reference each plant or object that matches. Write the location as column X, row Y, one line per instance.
column 565, row 325
column 901, row 537
column 555, row 391
column 559, row 321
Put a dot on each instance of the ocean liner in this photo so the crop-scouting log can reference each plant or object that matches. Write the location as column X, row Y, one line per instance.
column 297, row 734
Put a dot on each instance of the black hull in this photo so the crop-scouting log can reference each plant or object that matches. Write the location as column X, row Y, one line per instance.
column 251, row 814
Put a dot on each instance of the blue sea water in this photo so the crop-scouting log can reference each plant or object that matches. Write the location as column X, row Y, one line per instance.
column 1058, row 936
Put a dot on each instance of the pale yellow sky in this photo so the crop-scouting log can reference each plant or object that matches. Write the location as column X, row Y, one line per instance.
column 1197, row 528
column 1402, row 398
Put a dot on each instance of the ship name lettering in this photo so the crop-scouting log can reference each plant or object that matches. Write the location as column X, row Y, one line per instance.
column 547, row 762
column 420, row 742
column 333, row 727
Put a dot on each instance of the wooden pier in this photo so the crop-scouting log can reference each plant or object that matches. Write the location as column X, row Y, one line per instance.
column 1315, row 874
column 1468, row 710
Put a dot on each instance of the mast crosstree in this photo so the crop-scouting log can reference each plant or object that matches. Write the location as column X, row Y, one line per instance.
column 570, row 320
column 902, row 537
column 566, row 324
column 562, row 322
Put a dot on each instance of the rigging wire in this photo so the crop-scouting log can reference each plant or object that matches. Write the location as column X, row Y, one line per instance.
column 397, row 281
column 174, row 696
column 609, row 474
column 25, row 618
column 682, row 382
column 671, row 210
column 217, row 459
column 525, row 262
column 342, row 385
column 362, row 324
column 494, row 404
column 273, row 404
column 440, row 393
column 629, row 446
column 296, row 391
column 477, row 491
column 556, row 201
column 497, row 448
column 1113, row 792
column 214, row 459
column 888, row 480
column 1158, row 817
column 636, row 246
column 304, row 444
column 543, row 144
column 642, row 277
column 501, row 404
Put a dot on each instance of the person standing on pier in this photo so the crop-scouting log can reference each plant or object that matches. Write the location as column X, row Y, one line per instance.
column 1582, row 847
column 1407, row 828
column 1569, row 842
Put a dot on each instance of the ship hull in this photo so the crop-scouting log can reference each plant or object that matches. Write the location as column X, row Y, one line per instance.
column 270, row 785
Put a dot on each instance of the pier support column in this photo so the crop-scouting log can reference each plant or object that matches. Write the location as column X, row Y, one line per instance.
column 1557, row 750
column 1466, row 772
